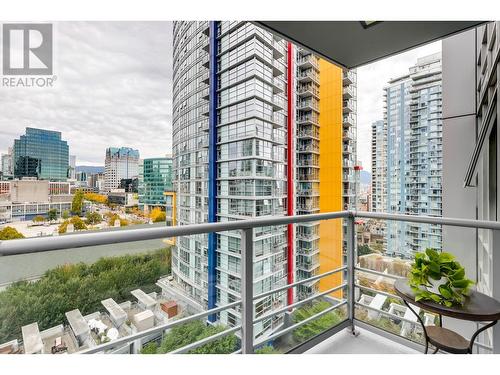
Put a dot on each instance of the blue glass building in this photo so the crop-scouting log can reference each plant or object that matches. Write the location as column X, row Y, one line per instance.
column 42, row 154
column 155, row 178
column 407, row 152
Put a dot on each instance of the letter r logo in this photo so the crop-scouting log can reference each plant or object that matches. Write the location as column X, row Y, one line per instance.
column 27, row 49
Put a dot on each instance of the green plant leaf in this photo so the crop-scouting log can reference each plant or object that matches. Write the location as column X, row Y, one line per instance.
column 445, row 291
column 446, row 257
column 460, row 283
column 432, row 254
column 458, row 274
column 435, row 297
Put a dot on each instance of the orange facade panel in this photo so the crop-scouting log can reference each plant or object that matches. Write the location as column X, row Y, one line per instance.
column 330, row 132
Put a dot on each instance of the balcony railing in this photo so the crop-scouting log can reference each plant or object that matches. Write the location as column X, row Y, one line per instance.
column 345, row 289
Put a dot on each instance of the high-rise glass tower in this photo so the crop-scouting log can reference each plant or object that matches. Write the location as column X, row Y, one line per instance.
column 42, row 154
column 408, row 156
column 155, row 178
column 379, row 166
column 229, row 143
column 248, row 121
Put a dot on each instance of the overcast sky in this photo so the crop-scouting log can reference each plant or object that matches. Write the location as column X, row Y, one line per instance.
column 113, row 88
column 371, row 80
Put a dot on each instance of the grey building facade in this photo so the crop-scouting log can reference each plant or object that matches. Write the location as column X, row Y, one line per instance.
column 471, row 155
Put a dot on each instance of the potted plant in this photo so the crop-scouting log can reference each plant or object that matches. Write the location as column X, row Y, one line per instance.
column 438, row 277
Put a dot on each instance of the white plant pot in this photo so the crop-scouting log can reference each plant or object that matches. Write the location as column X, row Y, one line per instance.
column 436, row 284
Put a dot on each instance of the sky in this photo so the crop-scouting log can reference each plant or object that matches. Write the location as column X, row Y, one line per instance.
column 371, row 81
column 113, row 88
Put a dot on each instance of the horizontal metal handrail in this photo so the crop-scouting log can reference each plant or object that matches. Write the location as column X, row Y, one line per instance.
column 388, row 275
column 157, row 329
column 301, row 323
column 467, row 223
column 300, row 282
column 376, row 291
column 34, row 245
column 393, row 316
column 299, row 303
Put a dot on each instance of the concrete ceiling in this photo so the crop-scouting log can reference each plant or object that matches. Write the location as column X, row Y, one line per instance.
column 351, row 44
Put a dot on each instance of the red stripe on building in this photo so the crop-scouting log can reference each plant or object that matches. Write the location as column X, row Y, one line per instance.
column 290, row 170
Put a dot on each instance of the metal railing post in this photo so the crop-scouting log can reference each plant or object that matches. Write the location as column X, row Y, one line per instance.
column 495, row 265
column 247, row 291
column 351, row 263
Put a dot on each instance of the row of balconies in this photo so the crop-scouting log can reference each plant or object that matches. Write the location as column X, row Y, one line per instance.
column 347, row 149
column 348, row 135
column 308, row 119
column 306, row 90
column 349, row 120
column 348, row 78
column 309, row 75
column 309, row 61
column 308, row 148
column 308, row 104
column 349, row 106
column 307, row 192
column 348, row 92
column 308, row 133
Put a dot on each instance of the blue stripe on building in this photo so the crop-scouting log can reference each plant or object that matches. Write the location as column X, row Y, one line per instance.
column 212, row 169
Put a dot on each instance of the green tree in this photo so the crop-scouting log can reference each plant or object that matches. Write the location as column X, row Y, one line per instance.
column 194, row 331
column 77, row 203
column 65, row 214
column 38, row 219
column 80, row 286
column 364, row 250
column 78, row 224
column 318, row 325
column 9, row 233
column 268, row 349
column 150, row 348
column 93, row 218
column 52, row 214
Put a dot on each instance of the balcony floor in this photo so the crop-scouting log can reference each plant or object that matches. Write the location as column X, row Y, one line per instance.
column 365, row 343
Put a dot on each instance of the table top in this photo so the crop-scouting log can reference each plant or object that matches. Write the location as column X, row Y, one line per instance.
column 477, row 306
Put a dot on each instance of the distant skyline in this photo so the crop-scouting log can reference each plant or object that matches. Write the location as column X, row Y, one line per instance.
column 371, row 80
column 113, row 89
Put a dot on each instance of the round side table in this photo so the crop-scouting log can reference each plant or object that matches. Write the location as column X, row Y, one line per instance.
column 478, row 307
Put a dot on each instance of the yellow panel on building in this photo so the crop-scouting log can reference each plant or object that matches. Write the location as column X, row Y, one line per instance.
column 330, row 133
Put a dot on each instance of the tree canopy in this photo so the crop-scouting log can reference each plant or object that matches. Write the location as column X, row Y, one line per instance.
column 93, row 218
column 38, row 219
column 79, row 286
column 157, row 215
column 77, row 203
column 316, row 326
column 52, row 214
column 78, row 224
column 190, row 332
column 9, row 233
column 96, row 198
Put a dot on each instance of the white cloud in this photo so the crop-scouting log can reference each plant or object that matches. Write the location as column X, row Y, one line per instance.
column 371, row 80
column 113, row 88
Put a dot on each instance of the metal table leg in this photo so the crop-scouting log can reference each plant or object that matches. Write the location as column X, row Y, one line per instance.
column 474, row 336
